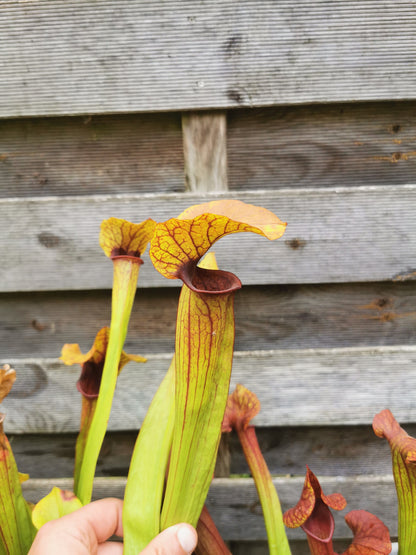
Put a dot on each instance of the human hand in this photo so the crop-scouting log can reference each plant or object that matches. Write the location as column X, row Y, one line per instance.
column 86, row 531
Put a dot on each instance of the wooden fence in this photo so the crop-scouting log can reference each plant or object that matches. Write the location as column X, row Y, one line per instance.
column 139, row 109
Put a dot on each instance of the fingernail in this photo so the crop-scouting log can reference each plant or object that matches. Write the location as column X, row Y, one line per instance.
column 187, row 538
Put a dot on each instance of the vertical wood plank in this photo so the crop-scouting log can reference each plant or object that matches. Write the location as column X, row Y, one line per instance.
column 205, row 151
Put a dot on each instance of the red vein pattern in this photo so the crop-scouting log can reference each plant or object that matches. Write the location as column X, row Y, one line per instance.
column 182, row 241
column 122, row 238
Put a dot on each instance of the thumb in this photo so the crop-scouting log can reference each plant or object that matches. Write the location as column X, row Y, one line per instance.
column 180, row 539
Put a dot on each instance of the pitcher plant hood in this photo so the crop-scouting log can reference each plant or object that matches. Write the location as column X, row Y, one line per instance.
column 92, row 362
column 242, row 407
column 179, row 243
column 312, row 510
column 371, row 535
column 312, row 513
column 122, row 238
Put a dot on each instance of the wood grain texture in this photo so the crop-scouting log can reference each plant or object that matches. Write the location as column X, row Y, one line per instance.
column 234, row 505
column 302, row 146
column 326, row 324
column 327, row 450
column 91, row 155
column 245, row 520
column 295, row 388
column 205, row 151
column 296, row 547
column 105, row 56
column 267, row 317
column 330, row 145
column 52, row 456
column 333, row 235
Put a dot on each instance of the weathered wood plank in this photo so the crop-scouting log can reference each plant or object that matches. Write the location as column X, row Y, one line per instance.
column 91, row 155
column 333, row 235
column 342, row 144
column 295, row 388
column 52, row 455
column 245, row 522
column 234, row 505
column 39, row 324
column 333, row 145
column 329, row 450
column 95, row 57
column 296, row 547
column 267, row 317
column 205, row 151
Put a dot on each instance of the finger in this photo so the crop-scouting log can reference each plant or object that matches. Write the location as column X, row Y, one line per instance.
column 81, row 531
column 180, row 539
column 103, row 517
column 110, row 548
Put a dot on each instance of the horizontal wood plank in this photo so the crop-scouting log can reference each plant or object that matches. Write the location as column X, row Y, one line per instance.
column 295, row 388
column 234, row 506
column 91, row 155
column 296, row 547
column 330, row 145
column 334, row 235
column 328, row 450
column 245, row 521
column 267, row 317
column 106, row 56
column 52, row 455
